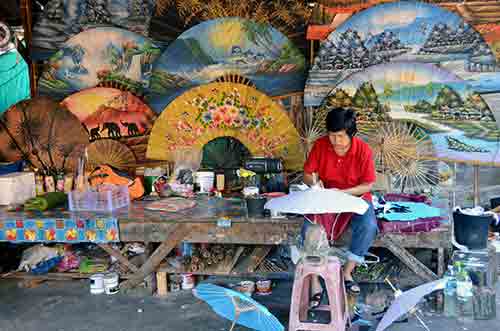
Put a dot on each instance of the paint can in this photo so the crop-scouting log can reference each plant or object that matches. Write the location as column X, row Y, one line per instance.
column 188, row 281
column 247, row 287
column 205, row 180
column 111, row 283
column 263, row 287
column 97, row 284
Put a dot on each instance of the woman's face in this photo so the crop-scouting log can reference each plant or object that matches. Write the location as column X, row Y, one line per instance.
column 340, row 140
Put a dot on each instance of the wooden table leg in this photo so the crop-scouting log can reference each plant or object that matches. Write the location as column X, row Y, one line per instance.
column 409, row 260
column 175, row 238
column 118, row 255
column 440, row 273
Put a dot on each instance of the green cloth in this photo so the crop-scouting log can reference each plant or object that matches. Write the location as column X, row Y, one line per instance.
column 14, row 80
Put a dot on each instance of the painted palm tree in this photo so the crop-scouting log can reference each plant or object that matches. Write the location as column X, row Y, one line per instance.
column 261, row 35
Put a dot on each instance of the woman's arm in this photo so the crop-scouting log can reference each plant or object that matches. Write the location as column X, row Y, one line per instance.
column 359, row 190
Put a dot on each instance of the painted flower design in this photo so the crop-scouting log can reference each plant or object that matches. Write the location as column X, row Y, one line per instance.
column 111, row 235
column 90, row 235
column 29, row 235
column 11, row 234
column 71, row 234
column 50, row 234
column 39, row 224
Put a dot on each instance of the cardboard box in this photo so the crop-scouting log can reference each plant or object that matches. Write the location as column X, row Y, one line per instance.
column 17, row 187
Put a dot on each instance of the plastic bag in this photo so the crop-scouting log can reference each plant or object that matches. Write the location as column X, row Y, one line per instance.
column 187, row 162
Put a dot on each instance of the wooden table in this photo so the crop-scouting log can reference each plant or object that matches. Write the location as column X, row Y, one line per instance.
column 206, row 224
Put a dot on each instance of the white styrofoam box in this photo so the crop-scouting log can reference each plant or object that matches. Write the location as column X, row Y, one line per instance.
column 17, row 187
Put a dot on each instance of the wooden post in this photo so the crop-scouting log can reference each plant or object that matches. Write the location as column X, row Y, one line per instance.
column 311, row 52
column 477, row 194
column 162, row 284
column 27, row 25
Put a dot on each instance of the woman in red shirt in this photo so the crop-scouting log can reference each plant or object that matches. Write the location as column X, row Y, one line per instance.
column 345, row 162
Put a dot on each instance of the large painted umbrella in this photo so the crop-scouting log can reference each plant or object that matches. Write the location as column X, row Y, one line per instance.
column 96, row 56
column 402, row 31
column 109, row 113
column 232, row 45
column 218, row 110
column 43, row 132
column 458, row 121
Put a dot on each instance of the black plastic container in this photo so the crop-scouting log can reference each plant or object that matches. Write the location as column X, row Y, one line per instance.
column 255, row 206
column 471, row 231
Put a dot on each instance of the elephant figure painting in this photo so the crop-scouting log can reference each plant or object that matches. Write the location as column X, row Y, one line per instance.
column 113, row 129
column 132, row 129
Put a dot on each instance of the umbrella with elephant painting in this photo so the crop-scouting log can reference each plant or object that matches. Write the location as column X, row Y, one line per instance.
column 217, row 110
column 114, row 114
column 43, row 132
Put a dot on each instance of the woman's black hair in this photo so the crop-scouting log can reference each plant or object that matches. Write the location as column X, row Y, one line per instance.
column 339, row 119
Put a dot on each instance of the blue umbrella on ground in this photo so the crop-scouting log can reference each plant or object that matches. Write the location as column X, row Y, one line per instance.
column 238, row 308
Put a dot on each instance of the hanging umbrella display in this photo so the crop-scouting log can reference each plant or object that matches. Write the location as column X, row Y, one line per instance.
column 237, row 308
column 110, row 152
column 402, row 31
column 42, row 131
column 403, row 150
column 458, row 121
column 99, row 55
column 215, row 48
column 217, row 110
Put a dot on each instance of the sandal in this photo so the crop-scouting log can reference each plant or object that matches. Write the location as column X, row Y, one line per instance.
column 352, row 287
column 315, row 300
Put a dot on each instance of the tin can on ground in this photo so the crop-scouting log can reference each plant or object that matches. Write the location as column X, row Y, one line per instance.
column 263, row 287
column 188, row 281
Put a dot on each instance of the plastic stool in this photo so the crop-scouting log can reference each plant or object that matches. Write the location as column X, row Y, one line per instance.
column 330, row 270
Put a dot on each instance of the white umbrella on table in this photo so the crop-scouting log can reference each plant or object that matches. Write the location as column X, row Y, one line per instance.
column 317, row 201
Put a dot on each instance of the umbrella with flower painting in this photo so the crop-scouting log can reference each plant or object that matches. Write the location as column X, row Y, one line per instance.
column 215, row 110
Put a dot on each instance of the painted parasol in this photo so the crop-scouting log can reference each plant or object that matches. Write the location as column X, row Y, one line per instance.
column 97, row 56
column 317, row 201
column 238, row 308
column 110, row 152
column 218, row 47
column 111, row 113
column 458, row 121
column 42, row 131
column 217, row 110
column 402, row 31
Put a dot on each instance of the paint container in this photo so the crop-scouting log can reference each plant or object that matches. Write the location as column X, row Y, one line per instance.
column 205, row 180
column 97, row 284
column 188, row 281
column 263, row 287
column 111, row 283
column 247, row 287
column 50, row 185
column 219, row 182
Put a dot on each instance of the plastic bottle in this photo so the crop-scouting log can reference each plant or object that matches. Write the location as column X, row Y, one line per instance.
column 465, row 308
column 450, row 293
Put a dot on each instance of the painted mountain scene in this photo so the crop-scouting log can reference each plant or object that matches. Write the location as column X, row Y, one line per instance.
column 96, row 56
column 218, row 47
column 109, row 113
column 460, row 123
column 402, row 31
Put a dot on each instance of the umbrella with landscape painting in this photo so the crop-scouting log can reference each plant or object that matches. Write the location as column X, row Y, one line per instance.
column 206, row 113
column 99, row 56
column 44, row 133
column 458, row 121
column 218, row 47
column 109, row 113
column 402, row 31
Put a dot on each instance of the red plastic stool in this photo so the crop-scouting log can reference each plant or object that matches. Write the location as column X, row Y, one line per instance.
column 331, row 271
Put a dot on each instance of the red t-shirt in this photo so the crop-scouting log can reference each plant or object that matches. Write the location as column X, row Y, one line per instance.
column 356, row 167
